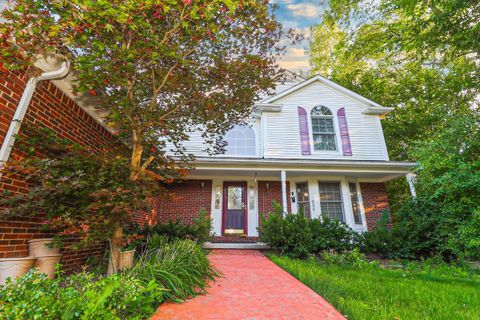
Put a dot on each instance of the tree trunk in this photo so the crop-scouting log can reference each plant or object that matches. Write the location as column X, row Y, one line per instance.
column 116, row 241
column 136, row 155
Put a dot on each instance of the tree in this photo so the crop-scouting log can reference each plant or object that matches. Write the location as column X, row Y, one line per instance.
column 418, row 56
column 421, row 57
column 82, row 195
column 163, row 68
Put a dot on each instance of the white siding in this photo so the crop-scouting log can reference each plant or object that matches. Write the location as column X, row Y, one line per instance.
column 282, row 129
column 196, row 145
column 277, row 133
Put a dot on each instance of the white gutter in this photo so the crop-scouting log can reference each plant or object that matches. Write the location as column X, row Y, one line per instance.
column 23, row 106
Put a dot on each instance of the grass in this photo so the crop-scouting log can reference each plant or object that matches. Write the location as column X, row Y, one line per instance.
column 374, row 293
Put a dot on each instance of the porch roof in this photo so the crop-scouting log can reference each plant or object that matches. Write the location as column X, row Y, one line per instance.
column 270, row 168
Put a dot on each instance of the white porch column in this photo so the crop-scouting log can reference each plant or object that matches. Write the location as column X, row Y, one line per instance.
column 411, row 184
column 284, row 191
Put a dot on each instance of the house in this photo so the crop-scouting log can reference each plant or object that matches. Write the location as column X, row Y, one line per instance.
column 313, row 146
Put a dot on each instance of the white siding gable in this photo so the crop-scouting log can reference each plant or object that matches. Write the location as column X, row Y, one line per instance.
column 282, row 138
column 277, row 133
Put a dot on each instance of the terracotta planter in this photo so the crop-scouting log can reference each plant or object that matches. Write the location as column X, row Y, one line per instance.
column 46, row 264
column 126, row 261
column 14, row 267
column 39, row 247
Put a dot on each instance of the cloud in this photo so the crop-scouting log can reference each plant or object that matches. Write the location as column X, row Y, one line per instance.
column 307, row 10
column 295, row 59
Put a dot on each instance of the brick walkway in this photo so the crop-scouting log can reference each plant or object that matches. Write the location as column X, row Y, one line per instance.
column 252, row 288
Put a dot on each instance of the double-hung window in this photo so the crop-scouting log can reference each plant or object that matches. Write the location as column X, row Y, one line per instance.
column 331, row 204
column 323, row 129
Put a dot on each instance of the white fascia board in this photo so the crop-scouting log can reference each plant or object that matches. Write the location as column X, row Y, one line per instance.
column 376, row 111
column 269, row 107
column 329, row 83
column 301, row 164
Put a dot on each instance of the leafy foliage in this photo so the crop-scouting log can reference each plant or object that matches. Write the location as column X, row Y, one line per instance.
column 162, row 68
column 180, row 267
column 422, row 58
column 296, row 236
column 81, row 296
column 168, row 271
column 81, row 194
column 199, row 230
column 444, row 217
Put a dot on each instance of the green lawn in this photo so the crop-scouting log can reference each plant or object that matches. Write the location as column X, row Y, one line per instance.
column 388, row 294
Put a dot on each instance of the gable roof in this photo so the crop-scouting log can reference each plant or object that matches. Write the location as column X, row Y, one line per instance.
column 375, row 107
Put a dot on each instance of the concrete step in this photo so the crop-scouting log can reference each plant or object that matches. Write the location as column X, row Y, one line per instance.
column 236, row 245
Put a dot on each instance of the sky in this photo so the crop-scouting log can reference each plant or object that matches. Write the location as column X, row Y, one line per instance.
column 298, row 14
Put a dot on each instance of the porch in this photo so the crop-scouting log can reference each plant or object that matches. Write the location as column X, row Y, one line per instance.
column 241, row 191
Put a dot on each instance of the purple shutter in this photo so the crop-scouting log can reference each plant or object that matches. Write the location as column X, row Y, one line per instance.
column 304, row 135
column 342, row 122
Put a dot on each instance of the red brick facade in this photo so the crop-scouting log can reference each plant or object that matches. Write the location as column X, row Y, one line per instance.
column 49, row 108
column 266, row 196
column 375, row 201
column 185, row 201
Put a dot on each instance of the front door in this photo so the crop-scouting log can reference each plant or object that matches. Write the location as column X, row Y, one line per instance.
column 234, row 208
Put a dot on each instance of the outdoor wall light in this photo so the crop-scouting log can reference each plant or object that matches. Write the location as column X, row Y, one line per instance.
column 202, row 184
column 267, row 185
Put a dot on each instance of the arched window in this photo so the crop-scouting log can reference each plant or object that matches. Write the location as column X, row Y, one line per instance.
column 240, row 141
column 322, row 129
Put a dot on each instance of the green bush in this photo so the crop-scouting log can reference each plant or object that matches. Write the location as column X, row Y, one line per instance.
column 296, row 236
column 82, row 296
column 420, row 230
column 198, row 231
column 180, row 268
column 167, row 271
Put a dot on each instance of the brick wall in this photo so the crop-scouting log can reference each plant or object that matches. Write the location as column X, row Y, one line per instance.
column 185, row 201
column 375, row 200
column 50, row 108
column 273, row 193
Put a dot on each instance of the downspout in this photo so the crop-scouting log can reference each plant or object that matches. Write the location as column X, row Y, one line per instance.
column 23, row 106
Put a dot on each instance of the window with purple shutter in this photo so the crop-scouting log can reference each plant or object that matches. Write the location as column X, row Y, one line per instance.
column 304, row 135
column 344, row 135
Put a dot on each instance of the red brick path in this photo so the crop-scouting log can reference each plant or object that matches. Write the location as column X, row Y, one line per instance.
column 252, row 287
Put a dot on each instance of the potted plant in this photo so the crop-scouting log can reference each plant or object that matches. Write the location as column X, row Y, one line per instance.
column 130, row 244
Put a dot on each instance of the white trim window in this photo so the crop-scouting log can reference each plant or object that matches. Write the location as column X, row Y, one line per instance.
column 323, row 129
column 240, row 141
column 331, row 204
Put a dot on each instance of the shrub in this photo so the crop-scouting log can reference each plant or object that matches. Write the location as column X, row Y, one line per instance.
column 296, row 236
column 168, row 271
column 419, row 231
column 198, row 231
column 82, row 296
column 180, row 268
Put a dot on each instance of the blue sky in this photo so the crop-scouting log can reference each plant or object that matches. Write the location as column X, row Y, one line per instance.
column 298, row 14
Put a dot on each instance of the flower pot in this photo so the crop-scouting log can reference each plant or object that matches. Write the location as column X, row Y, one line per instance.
column 40, row 248
column 127, row 259
column 14, row 267
column 46, row 264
